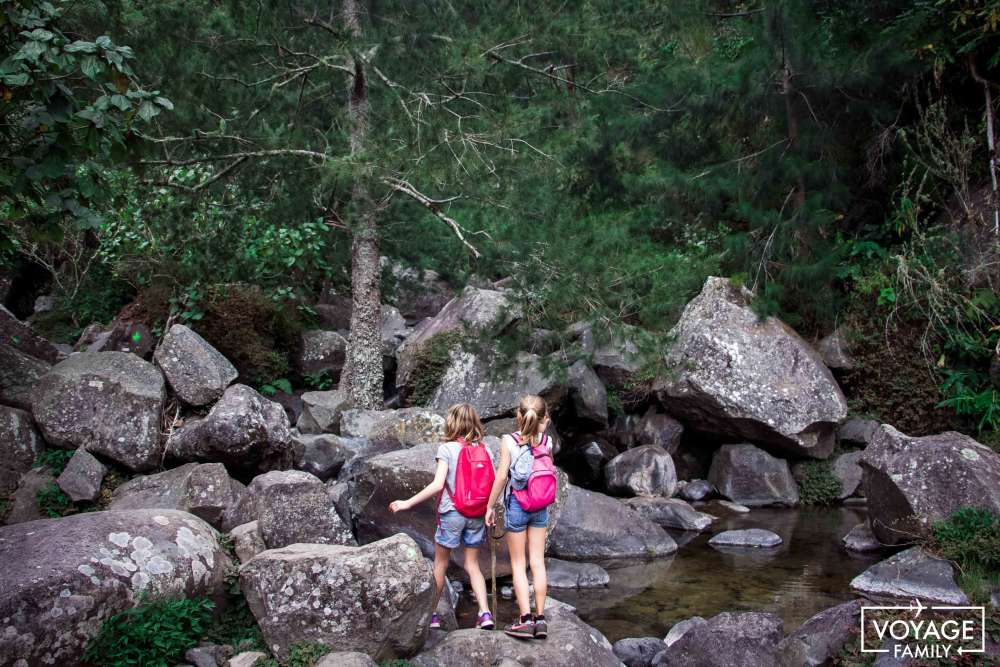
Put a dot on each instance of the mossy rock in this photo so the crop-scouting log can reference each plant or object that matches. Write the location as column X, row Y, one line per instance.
column 431, row 363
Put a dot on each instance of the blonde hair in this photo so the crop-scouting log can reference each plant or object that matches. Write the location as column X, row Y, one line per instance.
column 530, row 413
column 463, row 421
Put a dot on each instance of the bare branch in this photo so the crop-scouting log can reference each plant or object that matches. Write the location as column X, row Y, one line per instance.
column 235, row 156
column 733, row 15
column 434, row 206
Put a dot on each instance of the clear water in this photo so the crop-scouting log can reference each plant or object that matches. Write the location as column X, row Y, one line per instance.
column 809, row 572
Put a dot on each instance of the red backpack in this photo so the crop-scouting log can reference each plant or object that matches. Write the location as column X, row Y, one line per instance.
column 540, row 490
column 474, row 477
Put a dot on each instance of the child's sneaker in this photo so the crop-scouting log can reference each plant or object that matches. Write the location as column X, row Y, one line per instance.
column 435, row 621
column 523, row 628
column 485, row 621
column 541, row 628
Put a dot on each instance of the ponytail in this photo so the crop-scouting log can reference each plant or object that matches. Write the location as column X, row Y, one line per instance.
column 530, row 414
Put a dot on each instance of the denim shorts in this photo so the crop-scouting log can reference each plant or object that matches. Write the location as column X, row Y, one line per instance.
column 455, row 528
column 517, row 520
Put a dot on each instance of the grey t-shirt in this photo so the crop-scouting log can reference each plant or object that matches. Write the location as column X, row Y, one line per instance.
column 448, row 452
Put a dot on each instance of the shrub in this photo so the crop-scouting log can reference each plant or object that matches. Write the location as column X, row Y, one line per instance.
column 156, row 633
column 299, row 655
column 53, row 502
column 819, row 486
column 971, row 538
column 55, row 460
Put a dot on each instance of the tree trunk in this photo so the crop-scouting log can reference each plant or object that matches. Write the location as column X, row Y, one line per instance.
column 362, row 377
column 990, row 139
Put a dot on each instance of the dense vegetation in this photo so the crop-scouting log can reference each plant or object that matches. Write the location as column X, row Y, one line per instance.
column 834, row 156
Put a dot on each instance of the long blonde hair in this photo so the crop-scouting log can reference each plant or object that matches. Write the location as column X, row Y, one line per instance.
column 530, row 413
column 463, row 422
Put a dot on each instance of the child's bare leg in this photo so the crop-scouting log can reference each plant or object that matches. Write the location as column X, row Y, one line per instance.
column 476, row 579
column 515, row 546
column 536, row 558
column 441, row 556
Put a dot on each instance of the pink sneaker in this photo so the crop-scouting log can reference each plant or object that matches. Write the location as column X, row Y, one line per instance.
column 485, row 621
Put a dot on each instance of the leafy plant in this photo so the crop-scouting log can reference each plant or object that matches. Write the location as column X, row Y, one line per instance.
column 299, row 655
column 155, row 633
column 55, row 460
column 971, row 538
column 53, row 502
column 819, row 485
column 971, row 393
column 274, row 386
column 320, row 381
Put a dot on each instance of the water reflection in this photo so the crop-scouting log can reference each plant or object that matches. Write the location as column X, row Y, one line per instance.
column 807, row 573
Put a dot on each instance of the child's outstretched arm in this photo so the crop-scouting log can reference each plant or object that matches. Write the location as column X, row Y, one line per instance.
column 498, row 483
column 432, row 489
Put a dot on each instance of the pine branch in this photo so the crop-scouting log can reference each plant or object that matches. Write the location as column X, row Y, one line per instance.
column 434, row 206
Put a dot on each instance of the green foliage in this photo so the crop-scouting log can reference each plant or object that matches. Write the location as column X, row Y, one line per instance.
column 972, row 394
column 819, row 485
column 52, row 502
column 430, row 363
column 5, row 505
column 55, row 460
column 274, row 386
column 299, row 655
column 320, row 381
column 155, row 633
column 971, row 538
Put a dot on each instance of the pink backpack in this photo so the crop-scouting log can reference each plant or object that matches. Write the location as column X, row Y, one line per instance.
column 474, row 477
column 540, row 491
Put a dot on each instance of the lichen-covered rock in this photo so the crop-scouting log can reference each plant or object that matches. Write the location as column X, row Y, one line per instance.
column 247, row 541
column 346, row 659
column 847, row 471
column 747, row 537
column 322, row 351
column 81, row 478
column 203, row 489
column 593, row 526
column 398, row 428
column 912, row 482
column 20, row 335
column 196, row 371
column 106, row 402
column 19, row 373
column 324, row 455
column 742, row 377
column 321, row 411
column 821, row 638
column 657, row 428
column 244, row 430
column 671, row 513
column 678, row 629
column 643, row 471
column 399, row 474
column 857, row 431
column 251, row 503
column 638, row 651
column 299, row 509
column 587, row 392
column 835, row 351
column 570, row 642
column 750, row 476
column 492, row 386
column 63, row 578
column 730, row 639
column 20, row 445
column 911, row 574
column 697, row 489
column 418, row 293
column 474, row 311
column 24, row 500
column 375, row 599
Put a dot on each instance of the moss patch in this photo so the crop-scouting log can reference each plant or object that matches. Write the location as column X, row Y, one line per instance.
column 430, row 364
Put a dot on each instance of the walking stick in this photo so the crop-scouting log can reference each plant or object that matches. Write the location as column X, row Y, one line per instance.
column 493, row 572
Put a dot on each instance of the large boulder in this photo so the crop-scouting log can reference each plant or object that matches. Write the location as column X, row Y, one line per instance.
column 19, row 334
column 375, row 599
column 570, row 642
column 243, row 430
column 821, row 638
column 911, row 574
column 24, row 500
column 19, row 373
column 657, row 428
column 912, row 482
column 107, row 402
column 835, row 351
column 196, row 371
column 398, row 475
column 474, row 311
column 750, row 476
column 325, row 455
column 739, row 376
column 847, row 471
column 20, row 445
column 643, row 471
column 321, row 411
column 322, row 352
column 857, row 431
column 730, row 639
column 671, row 513
column 590, row 398
column 638, row 651
column 570, row 574
column 203, row 489
column 299, row 508
column 394, row 428
column 493, row 385
column 63, row 578
column 593, row 526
